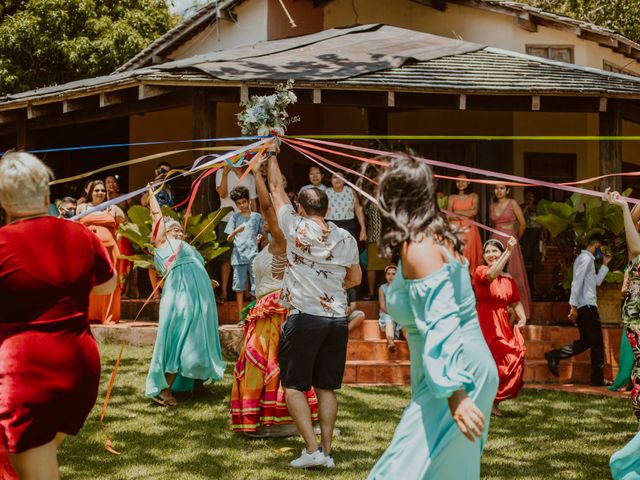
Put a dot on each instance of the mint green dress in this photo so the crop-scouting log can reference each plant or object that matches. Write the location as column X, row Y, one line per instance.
column 187, row 343
column 448, row 352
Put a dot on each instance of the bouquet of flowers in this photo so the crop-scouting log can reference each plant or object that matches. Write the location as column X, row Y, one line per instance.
column 264, row 114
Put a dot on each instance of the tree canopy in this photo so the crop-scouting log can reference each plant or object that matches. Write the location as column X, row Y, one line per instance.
column 48, row 42
column 622, row 16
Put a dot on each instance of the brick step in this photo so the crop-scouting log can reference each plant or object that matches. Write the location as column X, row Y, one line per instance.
column 369, row 330
column 571, row 371
column 359, row 372
column 376, row 350
column 131, row 333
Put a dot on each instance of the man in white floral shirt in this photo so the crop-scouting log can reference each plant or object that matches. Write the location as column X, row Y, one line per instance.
column 322, row 263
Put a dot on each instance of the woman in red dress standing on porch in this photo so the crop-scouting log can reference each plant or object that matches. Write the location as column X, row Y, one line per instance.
column 49, row 361
column 496, row 293
column 465, row 206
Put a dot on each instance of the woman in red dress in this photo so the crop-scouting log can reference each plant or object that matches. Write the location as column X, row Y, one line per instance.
column 465, row 205
column 496, row 294
column 49, row 361
column 104, row 224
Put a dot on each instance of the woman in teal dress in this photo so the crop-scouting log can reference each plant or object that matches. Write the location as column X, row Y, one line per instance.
column 187, row 346
column 625, row 463
column 453, row 376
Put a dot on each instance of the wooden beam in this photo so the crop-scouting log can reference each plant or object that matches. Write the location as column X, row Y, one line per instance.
column 244, row 93
column 437, row 4
column 150, row 91
column 43, row 109
column 602, row 39
column 603, row 104
column 80, row 103
column 135, row 107
column 462, row 104
column 549, row 23
column 118, row 97
column 610, row 124
column 535, row 103
column 317, row 96
column 391, row 99
column 8, row 116
column 204, row 126
column 524, row 21
column 21, row 130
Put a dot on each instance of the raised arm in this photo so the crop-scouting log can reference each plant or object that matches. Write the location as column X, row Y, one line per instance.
column 498, row 267
column 630, row 229
column 157, row 225
column 278, row 193
column 279, row 243
column 222, row 189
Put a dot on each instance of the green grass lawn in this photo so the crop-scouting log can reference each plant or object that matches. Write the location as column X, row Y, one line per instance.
column 542, row 435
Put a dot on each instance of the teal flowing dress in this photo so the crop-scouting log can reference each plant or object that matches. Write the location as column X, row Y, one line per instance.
column 448, row 352
column 187, row 343
column 625, row 463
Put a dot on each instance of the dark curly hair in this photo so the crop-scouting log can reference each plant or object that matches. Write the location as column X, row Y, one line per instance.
column 239, row 193
column 406, row 197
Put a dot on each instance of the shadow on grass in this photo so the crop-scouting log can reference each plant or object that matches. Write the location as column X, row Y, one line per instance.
column 543, row 435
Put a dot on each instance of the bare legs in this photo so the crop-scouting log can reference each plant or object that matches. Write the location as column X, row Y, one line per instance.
column 301, row 414
column 40, row 463
column 390, row 333
column 371, row 283
column 327, row 411
column 225, row 271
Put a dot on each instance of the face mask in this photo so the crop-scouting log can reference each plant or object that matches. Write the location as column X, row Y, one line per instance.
column 598, row 253
column 68, row 213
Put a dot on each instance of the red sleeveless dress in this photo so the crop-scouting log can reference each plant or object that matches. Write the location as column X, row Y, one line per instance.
column 468, row 232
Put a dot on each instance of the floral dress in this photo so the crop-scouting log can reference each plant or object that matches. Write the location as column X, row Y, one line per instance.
column 631, row 321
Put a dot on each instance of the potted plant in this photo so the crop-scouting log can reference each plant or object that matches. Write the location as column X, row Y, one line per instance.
column 201, row 230
column 570, row 225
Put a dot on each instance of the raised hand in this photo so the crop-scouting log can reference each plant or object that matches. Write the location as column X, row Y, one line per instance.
column 614, row 198
column 511, row 243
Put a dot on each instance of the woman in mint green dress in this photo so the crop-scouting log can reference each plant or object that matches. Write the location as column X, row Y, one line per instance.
column 453, row 376
column 187, row 346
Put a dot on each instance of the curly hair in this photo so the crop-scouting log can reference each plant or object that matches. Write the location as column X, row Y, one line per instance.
column 407, row 202
column 239, row 193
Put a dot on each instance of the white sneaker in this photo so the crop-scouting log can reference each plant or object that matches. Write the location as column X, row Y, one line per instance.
column 329, row 463
column 307, row 460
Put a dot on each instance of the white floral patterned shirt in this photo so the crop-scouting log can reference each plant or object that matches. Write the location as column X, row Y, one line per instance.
column 317, row 262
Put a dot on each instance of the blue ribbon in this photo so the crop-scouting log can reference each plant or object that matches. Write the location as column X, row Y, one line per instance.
column 193, row 168
column 119, row 145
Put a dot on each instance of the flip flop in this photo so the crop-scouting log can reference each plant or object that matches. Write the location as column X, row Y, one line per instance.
column 159, row 401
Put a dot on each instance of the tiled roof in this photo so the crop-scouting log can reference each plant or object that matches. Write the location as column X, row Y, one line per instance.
column 501, row 71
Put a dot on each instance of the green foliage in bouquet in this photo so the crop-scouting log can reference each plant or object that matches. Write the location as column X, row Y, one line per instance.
column 138, row 231
column 571, row 223
column 264, row 113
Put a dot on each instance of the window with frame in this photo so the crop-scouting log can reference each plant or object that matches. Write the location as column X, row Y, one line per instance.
column 560, row 53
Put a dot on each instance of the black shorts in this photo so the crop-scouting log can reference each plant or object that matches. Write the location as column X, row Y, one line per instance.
column 313, row 352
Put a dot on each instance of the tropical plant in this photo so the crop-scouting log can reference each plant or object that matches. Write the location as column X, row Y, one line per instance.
column 571, row 223
column 200, row 232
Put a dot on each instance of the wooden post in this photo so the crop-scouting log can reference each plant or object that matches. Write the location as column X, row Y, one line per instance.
column 377, row 119
column 611, row 151
column 204, row 126
column 21, row 130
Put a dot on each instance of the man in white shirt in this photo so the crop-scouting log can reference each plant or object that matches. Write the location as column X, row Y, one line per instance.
column 584, row 311
column 227, row 179
column 322, row 262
